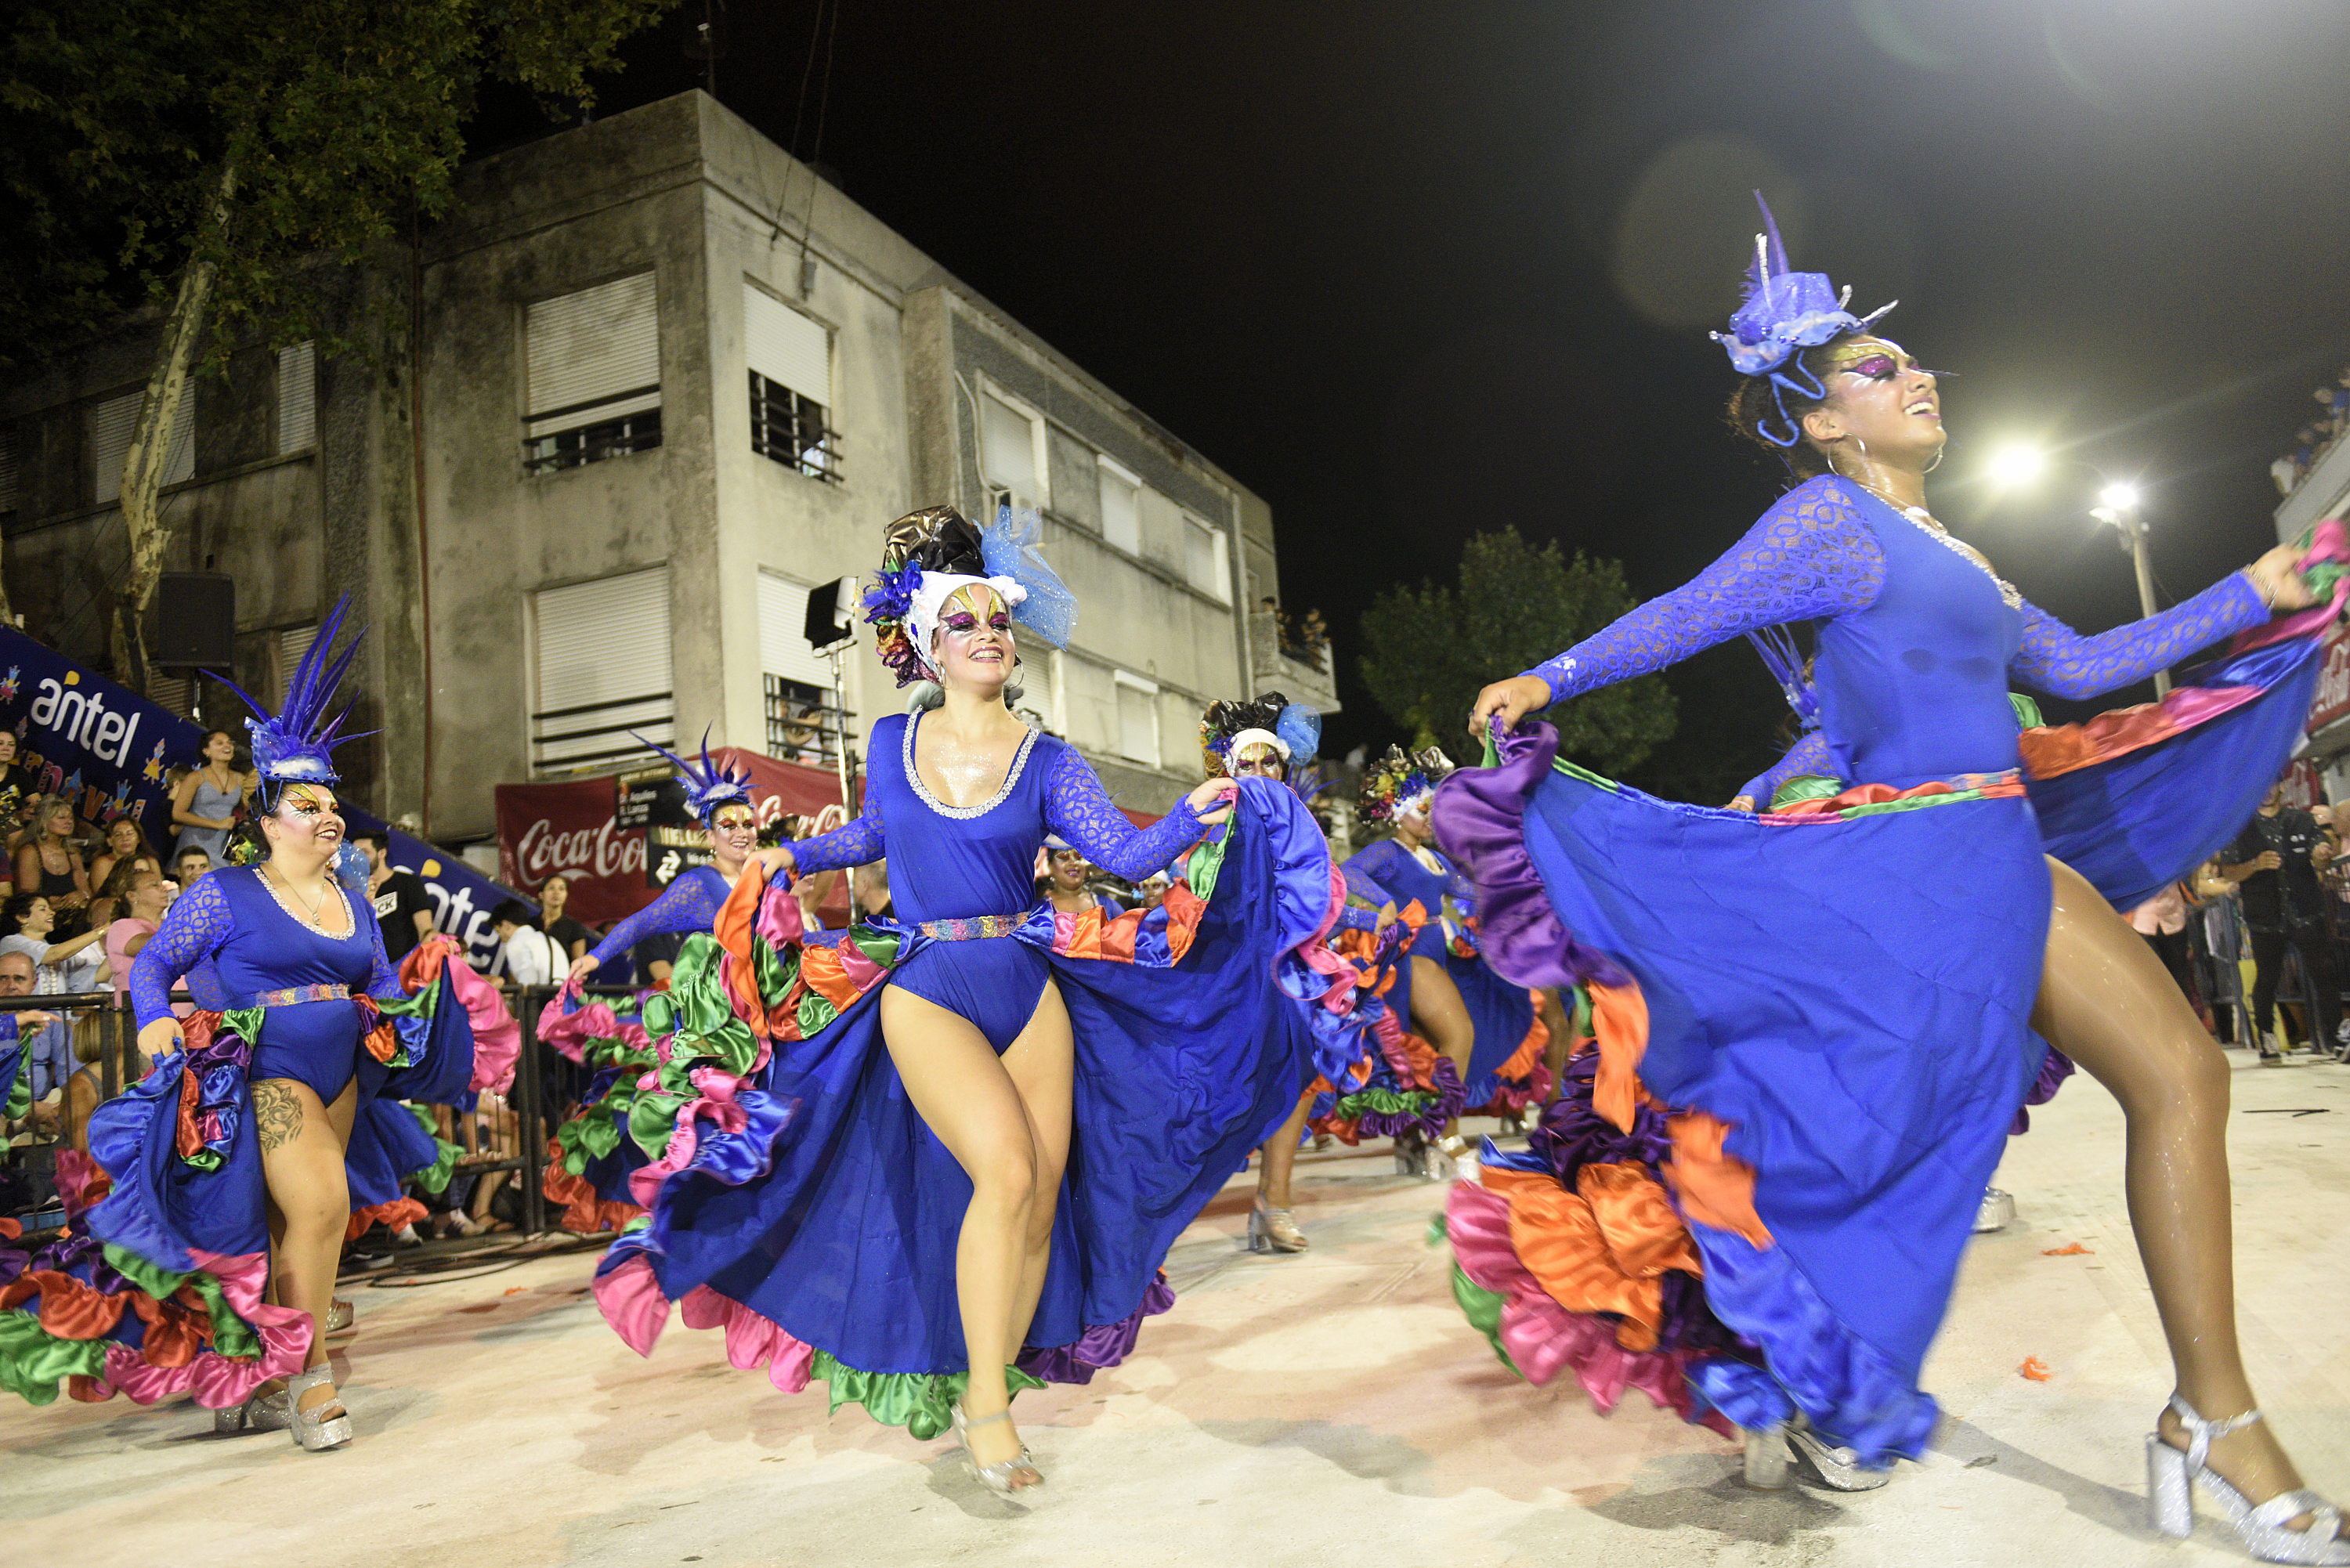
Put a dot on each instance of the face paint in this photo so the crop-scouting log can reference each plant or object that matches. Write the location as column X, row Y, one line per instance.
column 1259, row 760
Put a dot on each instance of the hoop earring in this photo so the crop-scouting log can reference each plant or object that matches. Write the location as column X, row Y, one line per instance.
column 1939, row 456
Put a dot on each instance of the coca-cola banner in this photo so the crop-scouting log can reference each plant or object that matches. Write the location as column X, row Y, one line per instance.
column 574, row 828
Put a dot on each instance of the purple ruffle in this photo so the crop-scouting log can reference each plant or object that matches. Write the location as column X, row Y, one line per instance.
column 1102, row 1345
column 1480, row 819
column 1432, row 1119
column 2054, row 1068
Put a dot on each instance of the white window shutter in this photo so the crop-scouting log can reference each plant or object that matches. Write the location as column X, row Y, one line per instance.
column 1008, row 448
column 1137, row 720
column 786, row 347
column 108, row 427
column 290, row 645
column 784, row 647
column 595, row 353
column 1039, row 691
column 601, row 668
column 297, row 397
column 1122, row 508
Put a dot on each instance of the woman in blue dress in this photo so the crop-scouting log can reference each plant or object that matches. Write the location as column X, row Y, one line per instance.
column 1816, row 1026
column 938, row 1160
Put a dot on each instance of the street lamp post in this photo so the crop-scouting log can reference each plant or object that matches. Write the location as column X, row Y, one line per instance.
column 2118, row 509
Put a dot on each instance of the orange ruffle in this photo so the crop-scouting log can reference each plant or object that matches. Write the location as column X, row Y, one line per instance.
column 584, row 1211
column 1619, row 1023
column 1530, row 1050
column 1716, row 1188
column 398, row 1214
column 1601, row 1248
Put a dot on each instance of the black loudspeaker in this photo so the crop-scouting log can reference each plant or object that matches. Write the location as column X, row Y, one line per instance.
column 195, row 622
column 831, row 614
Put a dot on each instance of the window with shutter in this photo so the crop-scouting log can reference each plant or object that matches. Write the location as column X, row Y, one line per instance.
column 593, row 371
column 803, row 723
column 1038, row 689
column 790, row 357
column 1121, row 507
column 1138, row 719
column 600, row 668
column 1205, row 559
column 108, row 427
column 297, row 397
column 9, row 501
column 287, row 649
column 1010, row 443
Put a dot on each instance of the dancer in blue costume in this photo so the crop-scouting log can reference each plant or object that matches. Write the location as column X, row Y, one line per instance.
column 907, row 1156
column 589, row 1168
column 1274, row 738
column 232, row 1149
column 1478, row 1023
column 1843, row 1009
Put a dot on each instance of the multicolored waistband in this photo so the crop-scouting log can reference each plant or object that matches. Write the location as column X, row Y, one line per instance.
column 972, row 929
column 1869, row 800
column 294, row 994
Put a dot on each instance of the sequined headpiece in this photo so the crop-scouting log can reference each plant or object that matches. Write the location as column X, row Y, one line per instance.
column 1781, row 313
column 709, row 786
column 1394, row 782
column 1292, row 729
column 296, row 745
column 928, row 557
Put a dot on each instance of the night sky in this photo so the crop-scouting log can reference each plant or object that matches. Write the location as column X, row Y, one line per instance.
column 1413, row 271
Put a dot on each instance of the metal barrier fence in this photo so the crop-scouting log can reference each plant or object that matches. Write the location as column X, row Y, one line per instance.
column 91, row 1053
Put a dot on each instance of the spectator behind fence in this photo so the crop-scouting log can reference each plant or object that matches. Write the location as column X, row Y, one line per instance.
column 205, row 802
column 141, row 895
column 528, row 955
column 70, row 963
column 869, row 890
column 47, row 1047
column 85, row 1090
column 402, row 907
column 46, row 862
column 190, row 864
column 2274, row 863
column 574, row 938
column 16, row 787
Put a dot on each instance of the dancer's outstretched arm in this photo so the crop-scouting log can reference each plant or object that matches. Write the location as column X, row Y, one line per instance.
column 2058, row 661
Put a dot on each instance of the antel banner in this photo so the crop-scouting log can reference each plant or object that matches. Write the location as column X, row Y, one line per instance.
column 574, row 828
column 111, row 751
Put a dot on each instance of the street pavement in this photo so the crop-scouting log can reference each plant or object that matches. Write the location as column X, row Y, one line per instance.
column 1331, row 1407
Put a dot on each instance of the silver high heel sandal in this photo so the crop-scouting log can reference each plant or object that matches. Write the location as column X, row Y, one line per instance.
column 315, row 1432
column 1837, row 1469
column 997, row 1477
column 2171, row 1475
column 261, row 1413
column 1271, row 1229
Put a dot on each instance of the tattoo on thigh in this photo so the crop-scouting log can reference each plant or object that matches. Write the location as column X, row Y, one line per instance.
column 276, row 1113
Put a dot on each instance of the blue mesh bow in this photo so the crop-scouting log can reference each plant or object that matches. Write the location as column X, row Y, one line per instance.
column 1011, row 549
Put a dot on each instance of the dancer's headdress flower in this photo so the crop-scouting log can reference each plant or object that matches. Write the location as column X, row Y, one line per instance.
column 1781, row 313
column 928, row 557
column 1396, row 783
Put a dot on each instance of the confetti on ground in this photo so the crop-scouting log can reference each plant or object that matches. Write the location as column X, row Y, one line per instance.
column 2072, row 1250
column 516, row 1289
column 2035, row 1369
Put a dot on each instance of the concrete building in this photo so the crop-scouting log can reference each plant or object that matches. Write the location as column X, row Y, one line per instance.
column 647, row 384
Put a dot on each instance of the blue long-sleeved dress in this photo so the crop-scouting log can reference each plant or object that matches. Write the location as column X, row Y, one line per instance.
column 1835, row 1007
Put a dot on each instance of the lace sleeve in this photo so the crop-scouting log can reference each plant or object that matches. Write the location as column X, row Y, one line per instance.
column 1808, row 757
column 193, row 927
column 686, row 906
column 857, row 843
column 1078, row 809
column 1811, row 556
column 2063, row 663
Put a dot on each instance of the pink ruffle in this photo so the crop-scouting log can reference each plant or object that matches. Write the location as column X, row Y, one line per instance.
column 1542, row 1337
column 216, row 1381
column 631, row 1301
column 753, row 1339
column 569, row 1033
column 716, row 1102
column 497, row 1034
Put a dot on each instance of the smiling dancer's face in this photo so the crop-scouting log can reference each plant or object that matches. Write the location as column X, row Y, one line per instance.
column 972, row 648
column 1881, row 405
column 1257, row 761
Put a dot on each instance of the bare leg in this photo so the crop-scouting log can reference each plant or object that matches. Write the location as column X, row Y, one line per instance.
column 2106, row 1002
column 1042, row 1066
column 1280, row 1153
column 302, row 1144
column 1441, row 1018
column 968, row 1098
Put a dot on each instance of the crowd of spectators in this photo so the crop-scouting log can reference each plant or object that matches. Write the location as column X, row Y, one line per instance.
column 2313, row 440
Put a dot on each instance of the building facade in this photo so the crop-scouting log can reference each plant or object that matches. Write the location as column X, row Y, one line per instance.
column 646, row 386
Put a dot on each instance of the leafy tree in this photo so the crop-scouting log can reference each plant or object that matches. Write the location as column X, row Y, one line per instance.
column 219, row 157
column 1434, row 647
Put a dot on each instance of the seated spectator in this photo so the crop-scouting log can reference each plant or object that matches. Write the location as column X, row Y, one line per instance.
column 142, row 894
column 190, row 864
column 554, row 897
column 74, row 963
column 46, row 862
column 48, row 1051
column 123, row 844
column 528, row 955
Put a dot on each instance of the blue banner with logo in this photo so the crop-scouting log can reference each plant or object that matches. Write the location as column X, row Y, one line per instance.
column 112, row 753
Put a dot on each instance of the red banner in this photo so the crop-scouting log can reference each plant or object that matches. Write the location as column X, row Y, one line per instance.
column 2332, row 699
column 572, row 828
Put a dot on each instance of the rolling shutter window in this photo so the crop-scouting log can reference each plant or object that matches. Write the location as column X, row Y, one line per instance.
column 1038, row 687
column 109, row 427
column 784, row 649
column 601, row 658
column 785, row 347
column 8, row 499
column 1007, row 439
column 291, row 644
column 297, row 397
column 593, row 356
column 1137, row 720
column 1122, row 508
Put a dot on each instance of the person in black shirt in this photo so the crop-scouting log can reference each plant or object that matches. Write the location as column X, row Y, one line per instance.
column 2274, row 863
column 553, row 897
column 402, row 907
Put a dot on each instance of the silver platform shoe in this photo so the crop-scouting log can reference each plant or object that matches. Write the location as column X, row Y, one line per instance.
column 2172, row 1475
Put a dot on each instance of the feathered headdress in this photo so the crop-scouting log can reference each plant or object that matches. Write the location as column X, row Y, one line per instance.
column 927, row 555
column 1292, row 728
column 296, row 745
column 709, row 786
column 1392, row 783
column 1781, row 313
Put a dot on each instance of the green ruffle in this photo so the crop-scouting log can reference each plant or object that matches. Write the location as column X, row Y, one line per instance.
column 1482, row 1308
column 434, row 1178
column 1805, row 786
column 20, row 1095
column 922, row 1402
column 1388, row 1102
column 34, row 1362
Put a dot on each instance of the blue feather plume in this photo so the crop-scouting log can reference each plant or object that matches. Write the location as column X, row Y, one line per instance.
column 296, row 745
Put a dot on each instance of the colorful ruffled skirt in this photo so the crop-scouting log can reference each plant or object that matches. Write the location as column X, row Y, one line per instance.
column 799, row 1203
column 1812, row 1037
column 154, row 1287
